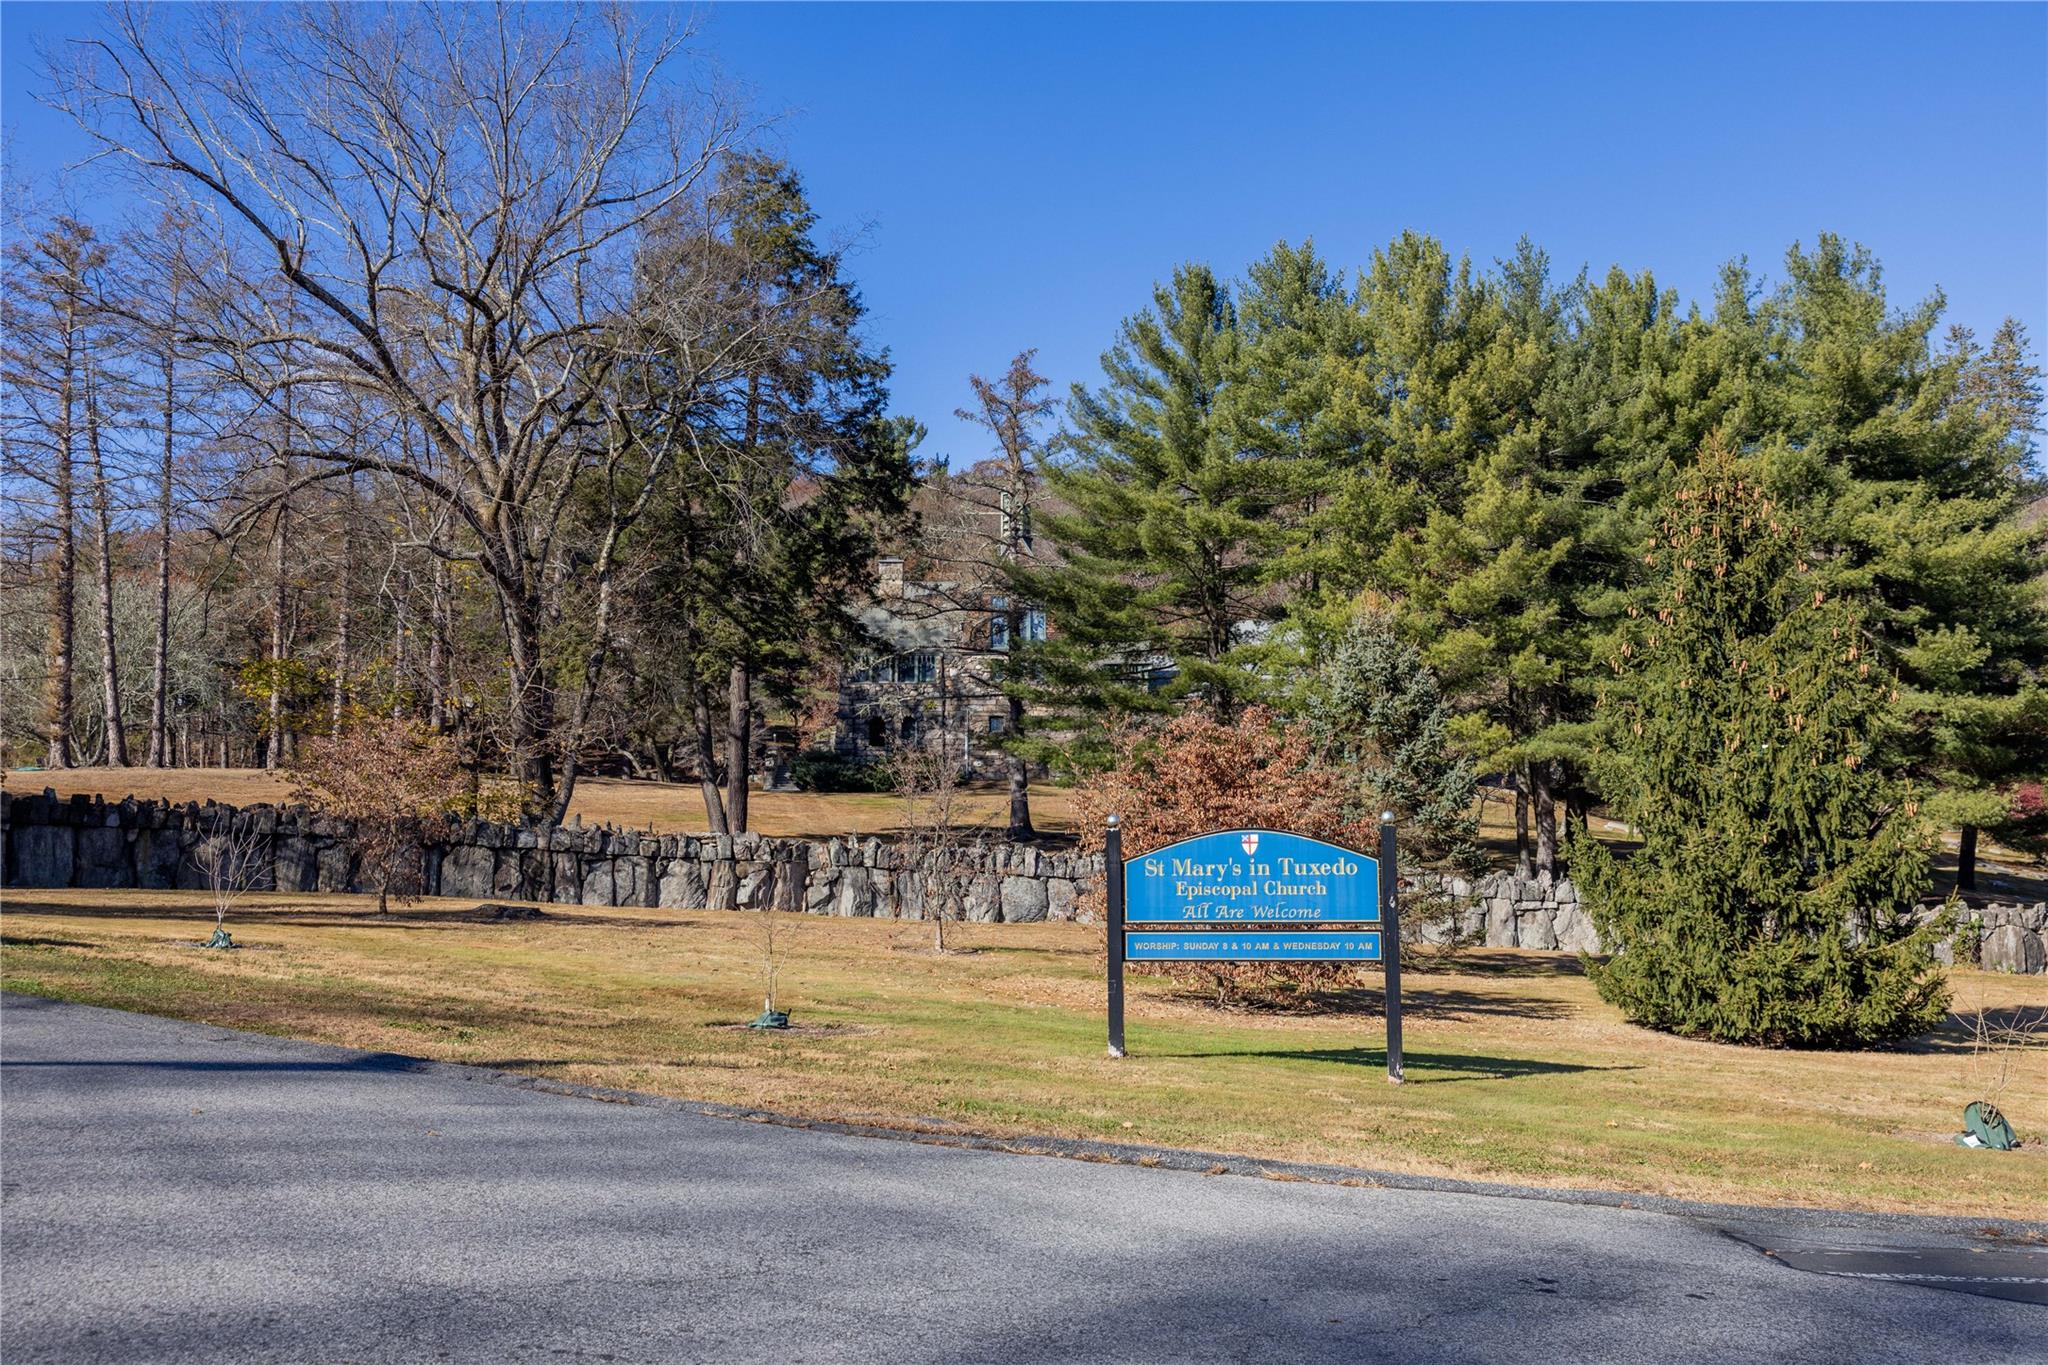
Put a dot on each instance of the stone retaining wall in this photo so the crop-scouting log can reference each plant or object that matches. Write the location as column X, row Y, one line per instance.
column 88, row 842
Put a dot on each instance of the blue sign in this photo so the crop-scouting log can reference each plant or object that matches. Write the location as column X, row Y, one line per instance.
column 1252, row 876
column 1234, row 945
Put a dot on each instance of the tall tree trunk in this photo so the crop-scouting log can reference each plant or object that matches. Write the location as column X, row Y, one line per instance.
column 593, row 674
column 707, row 763
column 400, row 633
column 64, row 587
column 343, row 608
column 1520, row 780
column 103, row 530
column 1020, row 778
column 739, row 702
column 739, row 743
column 280, row 546
column 532, row 705
column 160, row 660
column 1545, row 796
column 437, row 649
column 1966, row 860
column 1577, row 814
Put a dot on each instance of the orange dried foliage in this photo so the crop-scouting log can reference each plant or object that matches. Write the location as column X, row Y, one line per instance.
column 1199, row 773
column 393, row 781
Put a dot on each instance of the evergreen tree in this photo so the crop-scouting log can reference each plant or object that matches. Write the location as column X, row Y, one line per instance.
column 1772, row 900
column 758, row 553
column 1909, row 467
column 1379, row 718
column 1301, row 403
column 1167, row 530
column 1980, row 739
column 1484, row 580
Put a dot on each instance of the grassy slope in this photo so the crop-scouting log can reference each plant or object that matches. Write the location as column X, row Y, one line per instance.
column 1517, row 1070
column 667, row 808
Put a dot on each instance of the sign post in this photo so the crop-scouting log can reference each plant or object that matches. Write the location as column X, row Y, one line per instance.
column 1390, row 918
column 1113, row 865
column 1254, row 895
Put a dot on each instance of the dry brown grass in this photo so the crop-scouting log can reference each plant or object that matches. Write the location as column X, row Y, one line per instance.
column 1517, row 1070
column 664, row 807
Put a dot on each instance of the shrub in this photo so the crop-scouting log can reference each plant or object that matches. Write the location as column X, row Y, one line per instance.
column 828, row 772
column 1199, row 772
column 1773, row 899
column 1379, row 717
column 394, row 782
column 2025, row 826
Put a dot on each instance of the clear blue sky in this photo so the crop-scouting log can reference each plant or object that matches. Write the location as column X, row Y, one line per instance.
column 1020, row 175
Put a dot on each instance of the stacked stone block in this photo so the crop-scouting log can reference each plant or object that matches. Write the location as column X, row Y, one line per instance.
column 92, row 843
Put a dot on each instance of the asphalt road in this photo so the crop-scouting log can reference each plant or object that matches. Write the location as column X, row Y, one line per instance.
column 174, row 1192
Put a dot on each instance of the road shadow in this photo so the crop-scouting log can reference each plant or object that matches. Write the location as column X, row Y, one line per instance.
column 1375, row 1058
column 374, row 1063
column 29, row 941
column 1498, row 964
column 1444, row 1003
column 2003, row 1025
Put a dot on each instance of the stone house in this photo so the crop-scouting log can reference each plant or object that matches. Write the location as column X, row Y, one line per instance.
column 929, row 679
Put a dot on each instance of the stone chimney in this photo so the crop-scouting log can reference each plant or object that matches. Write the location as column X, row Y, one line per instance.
column 889, row 578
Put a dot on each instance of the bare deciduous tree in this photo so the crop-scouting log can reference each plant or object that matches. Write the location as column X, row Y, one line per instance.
column 931, row 837
column 49, row 312
column 450, row 201
column 103, row 568
column 231, row 857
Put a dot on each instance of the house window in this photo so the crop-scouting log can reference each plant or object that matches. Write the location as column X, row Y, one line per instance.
column 878, row 732
column 995, row 725
column 918, row 666
column 1031, row 628
column 909, row 727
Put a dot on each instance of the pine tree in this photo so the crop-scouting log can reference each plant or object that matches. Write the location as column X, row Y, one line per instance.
column 1484, row 580
column 1773, row 898
column 1168, row 529
column 1985, row 720
column 1301, row 402
column 1909, row 468
column 761, row 548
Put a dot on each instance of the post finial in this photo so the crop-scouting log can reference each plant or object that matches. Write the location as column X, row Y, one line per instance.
column 1386, row 817
column 1114, row 821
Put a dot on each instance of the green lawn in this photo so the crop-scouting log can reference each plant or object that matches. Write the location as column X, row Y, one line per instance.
column 1517, row 1071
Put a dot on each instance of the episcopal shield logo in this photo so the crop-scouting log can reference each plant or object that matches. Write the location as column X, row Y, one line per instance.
column 1251, row 844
